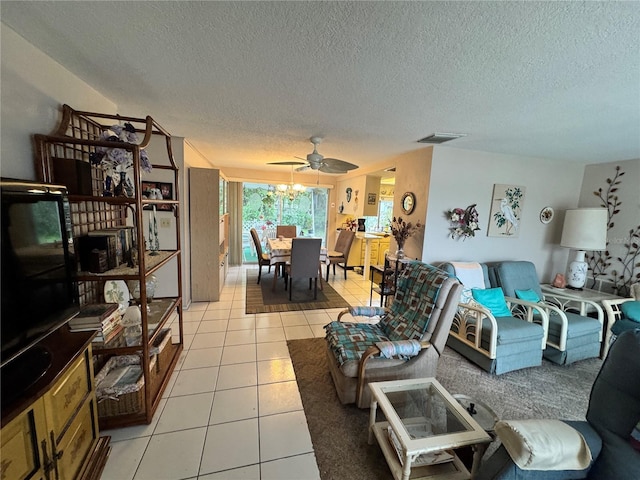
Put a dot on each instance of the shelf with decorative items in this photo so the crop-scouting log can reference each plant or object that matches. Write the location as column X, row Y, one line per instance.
column 105, row 162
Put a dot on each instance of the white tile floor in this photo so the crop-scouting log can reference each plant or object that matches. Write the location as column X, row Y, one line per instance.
column 232, row 409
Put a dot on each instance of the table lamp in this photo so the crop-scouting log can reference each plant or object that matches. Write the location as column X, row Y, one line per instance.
column 584, row 229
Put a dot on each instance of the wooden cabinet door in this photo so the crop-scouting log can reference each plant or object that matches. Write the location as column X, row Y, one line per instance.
column 67, row 394
column 22, row 456
column 76, row 442
column 384, row 246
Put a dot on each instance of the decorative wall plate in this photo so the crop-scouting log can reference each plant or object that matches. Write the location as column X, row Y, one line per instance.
column 546, row 215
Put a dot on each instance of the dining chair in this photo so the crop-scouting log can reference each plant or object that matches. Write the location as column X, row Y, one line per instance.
column 340, row 254
column 305, row 253
column 287, row 231
column 263, row 258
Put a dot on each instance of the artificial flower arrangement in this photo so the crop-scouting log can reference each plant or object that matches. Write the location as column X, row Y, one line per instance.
column 402, row 230
column 351, row 224
column 119, row 160
column 463, row 223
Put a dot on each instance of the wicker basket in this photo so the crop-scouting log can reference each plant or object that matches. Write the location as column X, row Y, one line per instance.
column 161, row 348
column 121, row 398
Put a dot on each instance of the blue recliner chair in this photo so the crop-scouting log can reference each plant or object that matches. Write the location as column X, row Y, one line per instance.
column 498, row 343
column 571, row 337
column 614, row 411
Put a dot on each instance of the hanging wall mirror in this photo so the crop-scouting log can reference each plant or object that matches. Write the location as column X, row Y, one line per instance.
column 408, row 202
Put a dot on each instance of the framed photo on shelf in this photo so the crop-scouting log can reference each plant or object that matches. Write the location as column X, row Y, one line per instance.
column 150, row 190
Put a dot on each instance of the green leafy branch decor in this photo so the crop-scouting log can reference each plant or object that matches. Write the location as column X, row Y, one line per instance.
column 599, row 262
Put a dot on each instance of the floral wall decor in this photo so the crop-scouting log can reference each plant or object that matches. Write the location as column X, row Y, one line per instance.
column 506, row 209
column 627, row 257
column 463, row 222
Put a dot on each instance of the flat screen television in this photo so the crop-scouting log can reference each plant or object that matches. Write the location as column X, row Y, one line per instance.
column 39, row 287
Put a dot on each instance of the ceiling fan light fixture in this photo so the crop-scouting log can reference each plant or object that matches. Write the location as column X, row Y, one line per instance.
column 438, row 138
column 318, row 162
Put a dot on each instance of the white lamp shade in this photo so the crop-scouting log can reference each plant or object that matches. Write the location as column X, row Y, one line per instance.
column 585, row 229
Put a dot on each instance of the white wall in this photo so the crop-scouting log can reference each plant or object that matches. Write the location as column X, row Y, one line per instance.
column 460, row 178
column 33, row 88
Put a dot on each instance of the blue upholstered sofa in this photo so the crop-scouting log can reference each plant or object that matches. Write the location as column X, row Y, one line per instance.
column 614, row 411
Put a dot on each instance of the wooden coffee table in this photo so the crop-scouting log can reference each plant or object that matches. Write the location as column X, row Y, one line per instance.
column 423, row 427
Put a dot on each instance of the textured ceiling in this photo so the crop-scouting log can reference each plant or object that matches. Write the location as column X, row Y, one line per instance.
column 249, row 82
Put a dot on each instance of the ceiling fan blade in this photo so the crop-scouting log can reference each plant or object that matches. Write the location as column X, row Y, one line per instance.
column 324, row 168
column 336, row 164
column 290, row 162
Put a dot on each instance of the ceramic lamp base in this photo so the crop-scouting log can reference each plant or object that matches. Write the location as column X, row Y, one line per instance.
column 577, row 273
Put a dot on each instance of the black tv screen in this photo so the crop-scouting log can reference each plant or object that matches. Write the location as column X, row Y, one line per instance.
column 39, row 289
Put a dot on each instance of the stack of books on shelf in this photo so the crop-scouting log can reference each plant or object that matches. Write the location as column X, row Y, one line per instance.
column 103, row 317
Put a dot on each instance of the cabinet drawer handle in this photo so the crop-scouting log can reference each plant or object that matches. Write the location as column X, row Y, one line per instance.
column 56, row 455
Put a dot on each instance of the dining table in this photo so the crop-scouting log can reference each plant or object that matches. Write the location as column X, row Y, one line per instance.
column 280, row 253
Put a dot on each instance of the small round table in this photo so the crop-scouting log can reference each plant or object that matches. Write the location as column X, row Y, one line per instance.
column 485, row 417
column 480, row 412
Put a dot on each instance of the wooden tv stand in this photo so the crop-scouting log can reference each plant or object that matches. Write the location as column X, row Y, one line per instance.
column 51, row 431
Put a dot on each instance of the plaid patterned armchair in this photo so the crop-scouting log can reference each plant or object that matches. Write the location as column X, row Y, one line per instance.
column 407, row 341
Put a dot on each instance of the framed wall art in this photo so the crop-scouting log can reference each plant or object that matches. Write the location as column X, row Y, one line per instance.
column 151, row 189
column 506, row 211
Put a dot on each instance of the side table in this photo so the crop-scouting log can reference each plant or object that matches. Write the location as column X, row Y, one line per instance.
column 382, row 282
column 424, row 425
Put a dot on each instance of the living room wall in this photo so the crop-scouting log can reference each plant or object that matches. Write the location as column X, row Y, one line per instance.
column 460, row 178
column 33, row 88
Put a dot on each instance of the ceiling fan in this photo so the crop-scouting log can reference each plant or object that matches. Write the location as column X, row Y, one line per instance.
column 315, row 161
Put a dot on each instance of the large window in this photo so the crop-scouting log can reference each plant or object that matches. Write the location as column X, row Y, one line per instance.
column 263, row 208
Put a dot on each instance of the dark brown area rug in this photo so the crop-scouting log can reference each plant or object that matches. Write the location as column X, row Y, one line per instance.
column 260, row 298
column 339, row 432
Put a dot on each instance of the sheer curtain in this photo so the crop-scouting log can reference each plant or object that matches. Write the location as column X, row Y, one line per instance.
column 235, row 222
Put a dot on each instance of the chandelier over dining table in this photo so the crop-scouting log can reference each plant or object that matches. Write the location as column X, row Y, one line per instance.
column 290, row 190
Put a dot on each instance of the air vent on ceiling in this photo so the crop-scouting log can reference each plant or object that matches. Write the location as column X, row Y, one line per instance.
column 438, row 138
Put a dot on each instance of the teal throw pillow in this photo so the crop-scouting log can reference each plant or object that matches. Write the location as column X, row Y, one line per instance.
column 631, row 310
column 493, row 299
column 528, row 295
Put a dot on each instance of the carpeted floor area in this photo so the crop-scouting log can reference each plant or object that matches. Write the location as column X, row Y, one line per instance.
column 339, row 432
column 260, row 298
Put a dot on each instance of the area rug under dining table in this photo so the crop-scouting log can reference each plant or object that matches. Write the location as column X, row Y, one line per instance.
column 339, row 432
column 261, row 299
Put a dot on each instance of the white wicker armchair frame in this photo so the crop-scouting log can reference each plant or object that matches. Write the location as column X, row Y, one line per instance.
column 614, row 313
column 562, row 304
column 469, row 320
